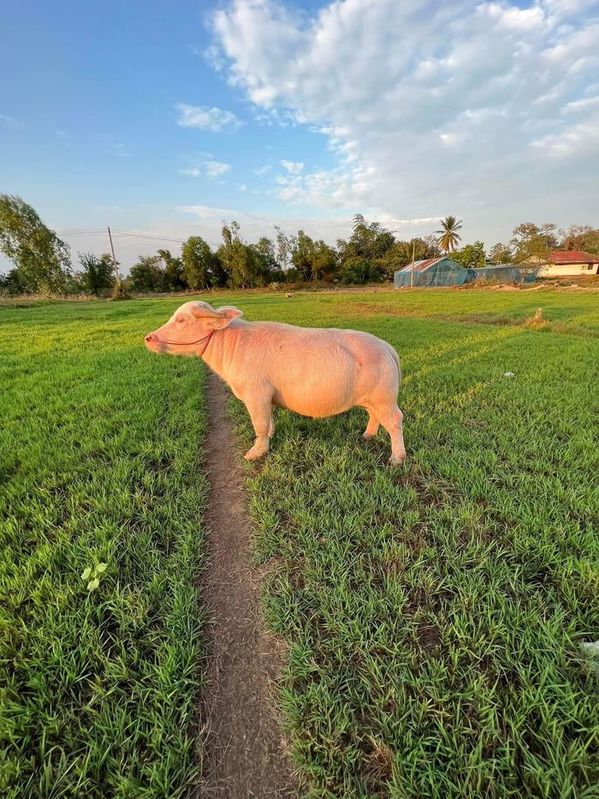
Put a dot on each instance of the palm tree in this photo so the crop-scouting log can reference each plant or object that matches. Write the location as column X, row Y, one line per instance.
column 448, row 235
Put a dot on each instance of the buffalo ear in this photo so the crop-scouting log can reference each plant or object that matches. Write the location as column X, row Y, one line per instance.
column 229, row 312
column 201, row 310
column 225, row 316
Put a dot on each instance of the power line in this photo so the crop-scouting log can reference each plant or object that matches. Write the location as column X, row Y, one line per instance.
column 154, row 236
column 75, row 232
column 79, row 232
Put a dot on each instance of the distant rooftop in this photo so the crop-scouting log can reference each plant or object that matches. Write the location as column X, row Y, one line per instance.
column 420, row 266
column 572, row 257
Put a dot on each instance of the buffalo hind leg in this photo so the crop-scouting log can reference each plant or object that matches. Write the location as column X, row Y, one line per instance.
column 372, row 427
column 392, row 420
column 260, row 411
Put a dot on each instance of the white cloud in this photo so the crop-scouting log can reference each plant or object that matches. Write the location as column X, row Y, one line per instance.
column 12, row 122
column 207, row 211
column 579, row 139
column 214, row 120
column 584, row 104
column 332, row 189
column 192, row 171
column 209, row 169
column 262, row 170
column 273, row 116
column 113, row 146
column 63, row 137
column 208, row 221
column 215, row 169
column 293, row 167
column 328, row 228
column 423, row 220
column 212, row 56
column 428, row 106
column 516, row 18
column 119, row 150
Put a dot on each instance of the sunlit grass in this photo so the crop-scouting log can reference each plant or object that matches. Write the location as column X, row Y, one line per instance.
column 435, row 613
column 100, row 462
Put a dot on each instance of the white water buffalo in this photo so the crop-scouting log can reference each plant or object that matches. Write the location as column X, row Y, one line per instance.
column 315, row 372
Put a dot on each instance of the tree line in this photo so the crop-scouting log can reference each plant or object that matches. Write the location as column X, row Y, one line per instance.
column 371, row 254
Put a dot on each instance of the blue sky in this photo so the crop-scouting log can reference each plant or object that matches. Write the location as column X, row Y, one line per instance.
column 168, row 118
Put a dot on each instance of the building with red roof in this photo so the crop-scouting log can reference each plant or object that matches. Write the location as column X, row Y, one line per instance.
column 567, row 262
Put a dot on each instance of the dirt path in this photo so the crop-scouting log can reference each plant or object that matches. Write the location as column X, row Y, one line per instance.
column 246, row 753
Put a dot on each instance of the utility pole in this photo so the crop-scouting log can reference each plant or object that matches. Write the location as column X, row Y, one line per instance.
column 116, row 266
column 413, row 254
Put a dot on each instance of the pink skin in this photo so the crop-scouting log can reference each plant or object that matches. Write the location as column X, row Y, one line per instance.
column 315, row 372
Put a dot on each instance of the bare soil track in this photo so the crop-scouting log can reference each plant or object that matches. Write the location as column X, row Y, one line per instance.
column 246, row 756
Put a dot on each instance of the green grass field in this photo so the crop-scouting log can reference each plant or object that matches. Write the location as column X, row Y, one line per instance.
column 100, row 462
column 434, row 612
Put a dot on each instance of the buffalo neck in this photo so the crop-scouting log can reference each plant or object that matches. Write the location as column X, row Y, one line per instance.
column 219, row 355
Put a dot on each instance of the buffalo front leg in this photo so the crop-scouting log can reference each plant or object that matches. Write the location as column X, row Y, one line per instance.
column 260, row 411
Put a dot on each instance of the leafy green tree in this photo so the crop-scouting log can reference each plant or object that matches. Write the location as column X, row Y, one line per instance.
column 303, row 255
column 324, row 262
column 13, row 283
column 174, row 278
column 530, row 241
column 268, row 269
column 160, row 272
column 471, row 256
column 366, row 255
column 313, row 260
column 265, row 248
column 358, row 270
column 200, row 267
column 219, row 276
column 292, row 275
column 97, row 272
column 500, row 254
column 42, row 259
column 369, row 241
column 400, row 254
column 238, row 259
column 285, row 247
column 448, row 235
column 147, row 275
column 580, row 237
column 432, row 247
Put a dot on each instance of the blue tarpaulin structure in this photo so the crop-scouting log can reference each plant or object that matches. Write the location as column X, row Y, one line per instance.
column 438, row 272
column 431, row 272
column 504, row 273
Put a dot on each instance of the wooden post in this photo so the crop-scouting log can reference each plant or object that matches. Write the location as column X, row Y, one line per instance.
column 116, row 266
